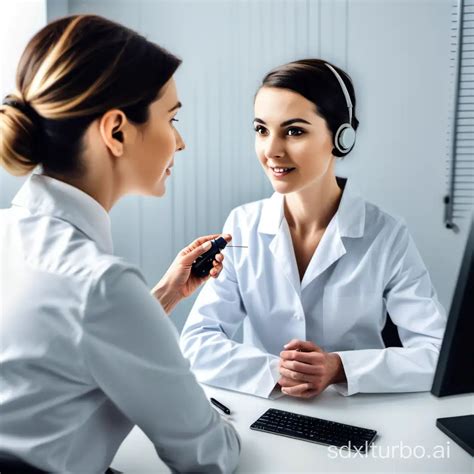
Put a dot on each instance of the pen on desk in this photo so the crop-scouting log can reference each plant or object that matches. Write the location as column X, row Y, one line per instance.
column 220, row 406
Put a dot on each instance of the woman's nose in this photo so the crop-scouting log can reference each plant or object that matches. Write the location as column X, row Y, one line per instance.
column 273, row 148
column 180, row 145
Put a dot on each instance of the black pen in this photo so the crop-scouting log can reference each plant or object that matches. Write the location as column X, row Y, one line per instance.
column 220, row 406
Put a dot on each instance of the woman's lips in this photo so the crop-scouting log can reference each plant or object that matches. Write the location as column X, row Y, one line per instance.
column 280, row 172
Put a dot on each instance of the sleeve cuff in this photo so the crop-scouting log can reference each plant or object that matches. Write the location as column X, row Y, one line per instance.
column 351, row 386
column 266, row 388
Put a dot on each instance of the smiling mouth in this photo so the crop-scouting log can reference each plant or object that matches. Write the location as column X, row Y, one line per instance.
column 279, row 171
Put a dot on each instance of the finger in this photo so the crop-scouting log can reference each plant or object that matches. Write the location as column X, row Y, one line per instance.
column 297, row 390
column 198, row 242
column 293, row 344
column 297, row 376
column 198, row 247
column 307, row 346
column 188, row 255
column 219, row 258
column 284, row 382
column 301, row 367
column 304, row 395
column 305, row 357
column 216, row 271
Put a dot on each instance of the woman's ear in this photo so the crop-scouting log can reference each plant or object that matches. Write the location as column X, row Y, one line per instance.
column 111, row 126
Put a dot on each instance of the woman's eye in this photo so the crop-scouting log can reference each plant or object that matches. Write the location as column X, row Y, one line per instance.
column 295, row 132
column 174, row 120
column 259, row 129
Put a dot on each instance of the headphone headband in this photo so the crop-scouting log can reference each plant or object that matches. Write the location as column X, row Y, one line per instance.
column 344, row 90
column 344, row 138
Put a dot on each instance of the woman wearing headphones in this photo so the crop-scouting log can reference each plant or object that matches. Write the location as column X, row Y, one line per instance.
column 86, row 352
column 323, row 266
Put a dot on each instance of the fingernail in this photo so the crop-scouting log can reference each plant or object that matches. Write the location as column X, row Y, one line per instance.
column 207, row 245
column 284, row 391
column 286, row 345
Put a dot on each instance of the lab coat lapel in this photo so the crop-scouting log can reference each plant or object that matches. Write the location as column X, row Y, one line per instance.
column 282, row 249
column 329, row 250
column 348, row 222
column 272, row 222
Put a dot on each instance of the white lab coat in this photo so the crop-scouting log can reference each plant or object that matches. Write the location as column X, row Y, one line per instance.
column 365, row 265
column 86, row 352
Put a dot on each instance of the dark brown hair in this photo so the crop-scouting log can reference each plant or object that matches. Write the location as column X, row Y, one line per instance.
column 71, row 72
column 312, row 79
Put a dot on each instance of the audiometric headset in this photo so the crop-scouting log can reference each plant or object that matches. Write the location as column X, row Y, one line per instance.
column 344, row 139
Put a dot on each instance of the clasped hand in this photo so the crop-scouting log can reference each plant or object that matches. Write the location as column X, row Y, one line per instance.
column 306, row 370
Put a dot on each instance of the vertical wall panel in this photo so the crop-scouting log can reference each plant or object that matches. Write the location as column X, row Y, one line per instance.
column 397, row 53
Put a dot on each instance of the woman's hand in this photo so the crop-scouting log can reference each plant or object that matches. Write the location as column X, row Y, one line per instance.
column 178, row 282
column 306, row 370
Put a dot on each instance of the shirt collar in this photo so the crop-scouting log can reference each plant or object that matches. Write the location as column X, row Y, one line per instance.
column 350, row 214
column 43, row 195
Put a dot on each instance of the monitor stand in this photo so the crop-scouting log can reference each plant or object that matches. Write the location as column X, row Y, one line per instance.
column 460, row 429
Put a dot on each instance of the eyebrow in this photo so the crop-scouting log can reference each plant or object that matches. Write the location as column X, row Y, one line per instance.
column 177, row 106
column 285, row 123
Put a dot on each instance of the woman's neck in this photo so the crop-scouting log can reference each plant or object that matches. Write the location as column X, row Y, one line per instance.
column 310, row 210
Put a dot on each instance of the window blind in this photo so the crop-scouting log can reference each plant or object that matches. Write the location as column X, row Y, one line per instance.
column 460, row 198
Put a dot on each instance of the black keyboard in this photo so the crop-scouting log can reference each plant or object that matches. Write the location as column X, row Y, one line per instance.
column 315, row 430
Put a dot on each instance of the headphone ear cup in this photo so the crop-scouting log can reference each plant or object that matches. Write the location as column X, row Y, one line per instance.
column 345, row 137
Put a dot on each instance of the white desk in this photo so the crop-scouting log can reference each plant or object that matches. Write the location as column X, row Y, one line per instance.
column 401, row 420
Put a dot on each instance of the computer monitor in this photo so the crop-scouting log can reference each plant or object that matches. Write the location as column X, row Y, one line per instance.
column 455, row 370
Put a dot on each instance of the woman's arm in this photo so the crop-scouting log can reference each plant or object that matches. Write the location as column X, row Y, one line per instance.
column 412, row 303
column 206, row 339
column 131, row 350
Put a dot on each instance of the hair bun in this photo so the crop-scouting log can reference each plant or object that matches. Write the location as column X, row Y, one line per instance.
column 19, row 130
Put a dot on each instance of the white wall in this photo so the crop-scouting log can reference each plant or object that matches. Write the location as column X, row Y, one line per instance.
column 20, row 20
column 397, row 52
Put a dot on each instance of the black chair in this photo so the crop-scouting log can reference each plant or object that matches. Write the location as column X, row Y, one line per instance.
column 390, row 334
column 17, row 466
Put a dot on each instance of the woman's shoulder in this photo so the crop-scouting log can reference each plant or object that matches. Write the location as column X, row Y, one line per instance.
column 382, row 222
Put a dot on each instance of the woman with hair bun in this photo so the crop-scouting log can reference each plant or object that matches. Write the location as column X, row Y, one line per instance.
column 86, row 352
column 324, row 268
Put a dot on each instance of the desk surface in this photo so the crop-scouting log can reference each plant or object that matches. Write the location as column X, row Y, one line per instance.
column 408, row 438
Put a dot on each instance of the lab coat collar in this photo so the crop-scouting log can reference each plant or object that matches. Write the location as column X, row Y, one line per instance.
column 43, row 195
column 350, row 214
column 349, row 221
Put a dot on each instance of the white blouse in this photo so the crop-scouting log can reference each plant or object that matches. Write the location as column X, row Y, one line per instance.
column 86, row 352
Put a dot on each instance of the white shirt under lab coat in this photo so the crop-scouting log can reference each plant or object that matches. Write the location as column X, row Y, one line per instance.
column 365, row 265
column 86, row 352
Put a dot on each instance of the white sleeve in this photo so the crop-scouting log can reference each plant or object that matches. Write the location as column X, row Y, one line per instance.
column 206, row 339
column 413, row 306
column 132, row 352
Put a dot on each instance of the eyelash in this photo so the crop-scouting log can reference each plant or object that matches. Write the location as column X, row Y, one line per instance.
column 174, row 120
column 259, row 128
